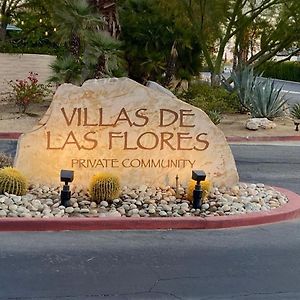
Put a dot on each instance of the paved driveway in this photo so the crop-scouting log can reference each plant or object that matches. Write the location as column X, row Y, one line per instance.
column 254, row 263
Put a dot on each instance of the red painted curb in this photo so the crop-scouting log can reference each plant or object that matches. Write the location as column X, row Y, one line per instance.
column 10, row 135
column 288, row 211
column 291, row 138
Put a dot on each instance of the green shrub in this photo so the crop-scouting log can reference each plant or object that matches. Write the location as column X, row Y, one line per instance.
column 215, row 116
column 14, row 47
column 285, row 70
column 27, row 91
column 210, row 99
column 12, row 182
column 151, row 38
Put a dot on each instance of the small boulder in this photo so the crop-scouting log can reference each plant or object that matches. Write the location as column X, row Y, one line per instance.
column 256, row 123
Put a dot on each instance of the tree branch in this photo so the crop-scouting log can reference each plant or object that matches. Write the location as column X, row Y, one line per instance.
column 3, row 8
column 280, row 47
column 289, row 57
column 260, row 53
column 223, row 42
column 253, row 17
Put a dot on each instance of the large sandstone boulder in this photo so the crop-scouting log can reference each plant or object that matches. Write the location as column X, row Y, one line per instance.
column 117, row 125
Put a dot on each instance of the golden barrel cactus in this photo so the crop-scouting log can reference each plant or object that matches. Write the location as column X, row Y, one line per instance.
column 12, row 182
column 104, row 186
column 205, row 186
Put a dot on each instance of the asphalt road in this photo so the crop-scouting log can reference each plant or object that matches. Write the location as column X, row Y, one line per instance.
column 277, row 165
column 256, row 263
column 252, row 263
column 291, row 90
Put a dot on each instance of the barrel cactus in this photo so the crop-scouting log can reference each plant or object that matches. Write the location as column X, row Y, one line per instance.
column 104, row 186
column 205, row 186
column 12, row 182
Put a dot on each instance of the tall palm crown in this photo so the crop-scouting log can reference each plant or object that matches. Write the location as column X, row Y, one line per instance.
column 73, row 21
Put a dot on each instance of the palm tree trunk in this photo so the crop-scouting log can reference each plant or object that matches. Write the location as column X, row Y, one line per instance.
column 101, row 68
column 75, row 45
column 3, row 31
column 108, row 8
column 171, row 66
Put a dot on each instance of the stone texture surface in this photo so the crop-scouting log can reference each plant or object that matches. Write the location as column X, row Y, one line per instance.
column 117, row 125
column 257, row 123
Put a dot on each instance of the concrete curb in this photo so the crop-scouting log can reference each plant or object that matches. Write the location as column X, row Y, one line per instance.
column 292, row 138
column 288, row 211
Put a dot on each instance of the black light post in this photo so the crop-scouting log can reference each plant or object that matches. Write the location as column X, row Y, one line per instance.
column 198, row 176
column 66, row 176
column 297, row 122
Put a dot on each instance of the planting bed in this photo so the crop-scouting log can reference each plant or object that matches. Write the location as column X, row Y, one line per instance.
column 143, row 201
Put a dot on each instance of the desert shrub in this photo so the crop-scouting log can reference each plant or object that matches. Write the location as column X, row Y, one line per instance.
column 285, row 70
column 258, row 96
column 12, row 182
column 215, row 116
column 266, row 100
column 295, row 111
column 210, row 98
column 104, row 186
column 27, row 91
column 5, row 160
column 205, row 186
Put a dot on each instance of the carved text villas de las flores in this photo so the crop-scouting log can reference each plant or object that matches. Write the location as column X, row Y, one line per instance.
column 147, row 140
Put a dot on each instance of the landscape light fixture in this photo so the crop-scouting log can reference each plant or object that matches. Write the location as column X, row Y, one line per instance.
column 297, row 122
column 66, row 176
column 198, row 176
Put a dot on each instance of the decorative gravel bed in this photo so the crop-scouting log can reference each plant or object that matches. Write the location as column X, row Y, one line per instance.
column 144, row 201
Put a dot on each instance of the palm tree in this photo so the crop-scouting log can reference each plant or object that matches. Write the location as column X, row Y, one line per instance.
column 108, row 9
column 92, row 52
column 73, row 19
column 102, row 57
column 66, row 70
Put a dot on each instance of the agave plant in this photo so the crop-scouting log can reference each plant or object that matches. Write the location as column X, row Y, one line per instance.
column 295, row 111
column 244, row 83
column 267, row 101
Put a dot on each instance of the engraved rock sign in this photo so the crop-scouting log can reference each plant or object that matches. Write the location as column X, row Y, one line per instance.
column 117, row 125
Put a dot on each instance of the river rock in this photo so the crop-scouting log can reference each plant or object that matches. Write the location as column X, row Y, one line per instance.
column 2, row 213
